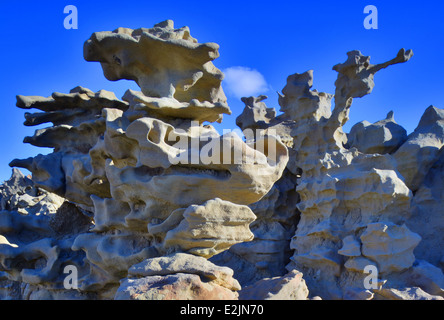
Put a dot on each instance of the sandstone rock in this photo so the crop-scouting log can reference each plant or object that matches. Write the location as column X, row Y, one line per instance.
column 350, row 247
column 288, row 287
column 130, row 165
column 35, row 240
column 171, row 108
column 178, row 286
column 178, row 276
column 139, row 193
column 77, row 126
column 355, row 80
column 185, row 263
column 297, row 101
column 267, row 254
column 426, row 276
column 358, row 264
column 342, row 191
column 414, row 293
column 211, row 228
column 17, row 184
column 391, row 246
column 256, row 114
column 163, row 175
column 20, row 194
column 418, row 154
column 356, row 294
column 427, row 218
column 384, row 136
column 128, row 54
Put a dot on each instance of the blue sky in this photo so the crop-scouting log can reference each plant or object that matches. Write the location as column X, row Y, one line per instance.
column 272, row 38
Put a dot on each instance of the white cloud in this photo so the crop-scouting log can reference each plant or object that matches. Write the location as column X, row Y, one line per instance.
column 244, row 82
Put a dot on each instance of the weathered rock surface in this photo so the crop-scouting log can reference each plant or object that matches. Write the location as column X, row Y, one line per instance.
column 149, row 176
column 341, row 190
column 37, row 229
column 427, row 214
column 276, row 213
column 414, row 293
column 384, row 136
column 178, row 286
column 389, row 245
column 211, row 228
column 140, row 193
column 360, row 208
column 178, row 276
column 418, row 154
column 77, row 125
column 185, row 263
column 288, row 287
column 256, row 114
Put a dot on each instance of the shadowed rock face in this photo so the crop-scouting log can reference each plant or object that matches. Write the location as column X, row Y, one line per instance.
column 178, row 277
column 256, row 114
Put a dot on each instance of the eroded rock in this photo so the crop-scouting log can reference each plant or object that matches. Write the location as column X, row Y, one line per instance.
column 289, row 287
column 139, row 193
column 145, row 172
column 384, row 136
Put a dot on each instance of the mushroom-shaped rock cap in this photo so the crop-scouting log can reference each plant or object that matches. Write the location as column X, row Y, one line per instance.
column 165, row 62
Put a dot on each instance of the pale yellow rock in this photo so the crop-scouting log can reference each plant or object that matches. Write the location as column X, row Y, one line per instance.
column 4, row 241
column 211, row 228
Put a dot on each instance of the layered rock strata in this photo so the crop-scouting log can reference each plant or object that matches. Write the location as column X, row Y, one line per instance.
column 147, row 171
column 143, row 199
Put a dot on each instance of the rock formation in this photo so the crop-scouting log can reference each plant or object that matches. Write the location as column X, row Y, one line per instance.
column 178, row 277
column 357, row 198
column 276, row 213
column 384, row 136
column 147, row 174
column 37, row 230
column 142, row 199
column 355, row 190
